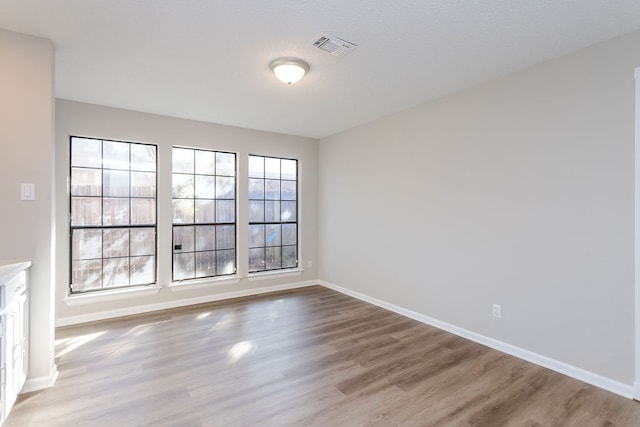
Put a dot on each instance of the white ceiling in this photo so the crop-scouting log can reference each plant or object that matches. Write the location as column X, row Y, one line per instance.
column 209, row 60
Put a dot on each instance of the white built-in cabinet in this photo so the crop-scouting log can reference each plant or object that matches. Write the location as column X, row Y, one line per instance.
column 14, row 337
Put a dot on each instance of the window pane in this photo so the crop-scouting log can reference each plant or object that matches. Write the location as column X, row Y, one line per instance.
column 86, row 275
column 256, row 211
column 209, row 187
column 274, row 260
column 115, row 243
column 226, row 211
column 273, row 215
column 289, row 211
column 120, row 179
column 256, row 167
column 116, row 183
column 143, row 241
column 256, row 188
column 256, row 236
column 289, row 169
column 225, row 237
column 288, row 190
column 289, row 257
column 256, row 259
column 183, row 160
column 143, row 184
column 272, row 211
column 205, row 162
column 184, row 266
column 182, row 186
column 143, row 211
column 225, row 261
column 273, row 235
column 87, row 244
column 183, row 239
column 116, row 211
column 205, row 264
column 115, row 155
column 205, row 187
column 205, row 211
column 86, row 152
column 143, row 157
column 225, row 164
column 142, row 270
column 183, row 211
column 225, row 188
column 289, row 234
column 86, row 182
column 86, row 211
column 205, row 237
column 271, row 168
column 115, row 272
column 272, row 189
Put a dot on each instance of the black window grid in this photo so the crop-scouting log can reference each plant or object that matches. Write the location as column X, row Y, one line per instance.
column 195, row 224
column 281, row 222
column 77, row 227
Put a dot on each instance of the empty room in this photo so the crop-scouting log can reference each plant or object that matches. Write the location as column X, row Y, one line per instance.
column 326, row 213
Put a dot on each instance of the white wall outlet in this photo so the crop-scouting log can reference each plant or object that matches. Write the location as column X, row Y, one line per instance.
column 309, row 264
column 497, row 310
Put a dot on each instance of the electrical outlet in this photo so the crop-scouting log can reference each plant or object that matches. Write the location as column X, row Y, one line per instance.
column 309, row 264
column 497, row 310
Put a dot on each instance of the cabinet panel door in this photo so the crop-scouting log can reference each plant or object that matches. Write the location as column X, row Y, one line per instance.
column 21, row 361
column 11, row 318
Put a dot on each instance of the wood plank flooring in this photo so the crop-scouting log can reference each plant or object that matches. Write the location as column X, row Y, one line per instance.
column 305, row 357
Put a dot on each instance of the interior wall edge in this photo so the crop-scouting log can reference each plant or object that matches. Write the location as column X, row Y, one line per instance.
column 41, row 383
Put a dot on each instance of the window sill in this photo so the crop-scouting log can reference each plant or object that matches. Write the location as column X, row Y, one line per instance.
column 204, row 283
column 111, row 295
column 265, row 275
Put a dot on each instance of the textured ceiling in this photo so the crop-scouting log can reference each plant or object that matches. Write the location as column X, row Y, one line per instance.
column 209, row 60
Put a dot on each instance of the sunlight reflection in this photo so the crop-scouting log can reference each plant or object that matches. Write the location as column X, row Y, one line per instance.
column 120, row 351
column 67, row 345
column 136, row 331
column 203, row 315
column 238, row 351
column 224, row 322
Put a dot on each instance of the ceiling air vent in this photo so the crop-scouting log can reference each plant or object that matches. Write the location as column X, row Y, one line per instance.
column 333, row 45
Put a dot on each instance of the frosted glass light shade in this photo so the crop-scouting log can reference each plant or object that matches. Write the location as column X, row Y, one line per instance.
column 289, row 70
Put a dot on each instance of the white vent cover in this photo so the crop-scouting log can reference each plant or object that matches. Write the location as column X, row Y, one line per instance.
column 333, row 45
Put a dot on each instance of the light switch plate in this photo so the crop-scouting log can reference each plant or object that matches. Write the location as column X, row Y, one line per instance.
column 27, row 191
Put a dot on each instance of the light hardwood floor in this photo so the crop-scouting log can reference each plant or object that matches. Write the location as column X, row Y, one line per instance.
column 305, row 357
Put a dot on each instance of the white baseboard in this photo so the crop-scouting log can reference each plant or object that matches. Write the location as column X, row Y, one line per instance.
column 109, row 314
column 40, row 383
column 622, row 389
column 636, row 390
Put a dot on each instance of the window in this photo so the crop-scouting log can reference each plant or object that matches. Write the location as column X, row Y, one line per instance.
column 113, row 214
column 273, row 219
column 204, row 213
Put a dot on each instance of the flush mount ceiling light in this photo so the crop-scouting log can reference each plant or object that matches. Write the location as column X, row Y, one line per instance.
column 289, row 70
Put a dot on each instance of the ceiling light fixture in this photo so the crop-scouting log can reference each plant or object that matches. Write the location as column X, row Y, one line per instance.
column 289, row 70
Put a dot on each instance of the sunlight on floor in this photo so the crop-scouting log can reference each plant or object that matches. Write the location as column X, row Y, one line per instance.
column 226, row 321
column 67, row 345
column 136, row 331
column 238, row 351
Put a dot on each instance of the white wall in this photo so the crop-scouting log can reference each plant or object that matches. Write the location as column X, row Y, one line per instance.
column 79, row 119
column 518, row 192
column 26, row 153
